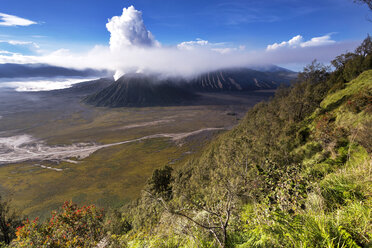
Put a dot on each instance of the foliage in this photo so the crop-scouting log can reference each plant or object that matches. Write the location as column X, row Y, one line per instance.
column 9, row 221
column 281, row 165
column 160, row 182
column 368, row 2
column 72, row 227
column 350, row 65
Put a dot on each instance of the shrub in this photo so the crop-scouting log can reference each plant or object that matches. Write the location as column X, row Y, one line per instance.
column 117, row 223
column 9, row 220
column 3, row 244
column 359, row 102
column 72, row 227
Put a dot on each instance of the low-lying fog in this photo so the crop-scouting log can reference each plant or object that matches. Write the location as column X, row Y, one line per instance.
column 41, row 83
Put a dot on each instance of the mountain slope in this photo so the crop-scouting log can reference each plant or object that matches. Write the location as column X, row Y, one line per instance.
column 43, row 70
column 139, row 90
column 241, row 79
column 89, row 87
column 150, row 90
column 279, row 177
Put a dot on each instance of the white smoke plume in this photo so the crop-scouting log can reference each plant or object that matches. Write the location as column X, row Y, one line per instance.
column 129, row 30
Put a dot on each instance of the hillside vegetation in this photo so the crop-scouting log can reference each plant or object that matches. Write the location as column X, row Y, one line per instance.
column 296, row 172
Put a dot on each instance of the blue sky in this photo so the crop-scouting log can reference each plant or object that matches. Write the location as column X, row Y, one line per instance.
column 78, row 25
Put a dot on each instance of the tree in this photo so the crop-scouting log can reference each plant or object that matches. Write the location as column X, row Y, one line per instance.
column 207, row 200
column 9, row 221
column 365, row 48
column 340, row 61
column 368, row 2
column 308, row 91
column 349, row 65
column 314, row 73
column 160, row 182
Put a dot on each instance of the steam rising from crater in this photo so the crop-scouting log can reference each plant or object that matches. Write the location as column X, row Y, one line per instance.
column 129, row 30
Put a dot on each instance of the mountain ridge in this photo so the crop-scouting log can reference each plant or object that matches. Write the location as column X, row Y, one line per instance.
column 11, row 70
column 137, row 89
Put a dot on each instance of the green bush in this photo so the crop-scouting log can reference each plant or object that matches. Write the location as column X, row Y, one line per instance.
column 72, row 227
column 3, row 245
column 9, row 221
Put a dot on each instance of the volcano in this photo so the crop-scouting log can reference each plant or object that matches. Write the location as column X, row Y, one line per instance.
column 140, row 90
column 143, row 90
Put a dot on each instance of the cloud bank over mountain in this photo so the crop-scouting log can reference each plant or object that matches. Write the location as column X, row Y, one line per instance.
column 133, row 48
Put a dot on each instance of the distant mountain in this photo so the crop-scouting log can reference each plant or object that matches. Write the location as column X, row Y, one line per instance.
column 139, row 90
column 242, row 79
column 43, row 70
column 271, row 68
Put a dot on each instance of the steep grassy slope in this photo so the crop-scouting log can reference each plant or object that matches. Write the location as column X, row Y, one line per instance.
column 288, row 181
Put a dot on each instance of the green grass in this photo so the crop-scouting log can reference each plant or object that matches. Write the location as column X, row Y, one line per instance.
column 338, row 214
column 109, row 177
column 360, row 84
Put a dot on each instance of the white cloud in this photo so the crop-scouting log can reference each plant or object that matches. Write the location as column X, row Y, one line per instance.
column 189, row 45
column 133, row 48
column 294, row 42
column 318, row 41
column 11, row 20
column 298, row 41
column 221, row 47
column 21, row 43
column 20, row 47
column 226, row 50
column 172, row 61
column 2, row 52
column 129, row 30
